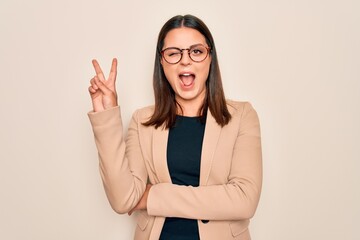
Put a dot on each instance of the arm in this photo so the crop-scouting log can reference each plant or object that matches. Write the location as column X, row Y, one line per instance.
column 235, row 200
column 122, row 167
column 124, row 181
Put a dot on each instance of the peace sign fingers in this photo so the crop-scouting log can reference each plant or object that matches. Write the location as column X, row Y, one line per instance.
column 103, row 91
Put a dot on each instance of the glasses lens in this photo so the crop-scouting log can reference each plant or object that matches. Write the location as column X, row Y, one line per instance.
column 198, row 53
column 172, row 55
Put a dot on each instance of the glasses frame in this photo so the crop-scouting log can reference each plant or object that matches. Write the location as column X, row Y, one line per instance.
column 208, row 49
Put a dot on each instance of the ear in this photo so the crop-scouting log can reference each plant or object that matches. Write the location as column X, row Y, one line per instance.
column 210, row 58
column 162, row 61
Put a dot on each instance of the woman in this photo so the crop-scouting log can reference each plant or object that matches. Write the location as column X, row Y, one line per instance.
column 190, row 166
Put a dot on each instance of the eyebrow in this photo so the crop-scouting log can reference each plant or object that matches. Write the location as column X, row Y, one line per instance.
column 188, row 47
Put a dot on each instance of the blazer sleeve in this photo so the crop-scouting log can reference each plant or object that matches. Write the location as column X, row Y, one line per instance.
column 235, row 200
column 121, row 165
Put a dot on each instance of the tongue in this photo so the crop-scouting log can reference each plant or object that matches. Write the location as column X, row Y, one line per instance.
column 187, row 80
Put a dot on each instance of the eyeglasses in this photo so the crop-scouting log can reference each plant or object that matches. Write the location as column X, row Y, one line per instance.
column 197, row 53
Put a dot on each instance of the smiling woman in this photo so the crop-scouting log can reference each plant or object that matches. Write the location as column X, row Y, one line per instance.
column 191, row 165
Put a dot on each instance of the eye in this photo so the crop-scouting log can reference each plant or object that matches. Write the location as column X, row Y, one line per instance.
column 172, row 52
column 196, row 51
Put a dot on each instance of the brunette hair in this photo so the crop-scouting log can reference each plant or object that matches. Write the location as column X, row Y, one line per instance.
column 165, row 103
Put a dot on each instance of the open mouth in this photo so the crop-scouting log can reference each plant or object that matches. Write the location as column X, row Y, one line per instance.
column 187, row 79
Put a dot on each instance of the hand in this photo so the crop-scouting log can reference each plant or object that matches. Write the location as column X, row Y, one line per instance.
column 102, row 91
column 142, row 204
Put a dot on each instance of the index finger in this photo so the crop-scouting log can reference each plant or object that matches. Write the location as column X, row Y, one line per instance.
column 98, row 70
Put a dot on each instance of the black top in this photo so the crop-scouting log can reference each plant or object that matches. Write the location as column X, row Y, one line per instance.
column 183, row 159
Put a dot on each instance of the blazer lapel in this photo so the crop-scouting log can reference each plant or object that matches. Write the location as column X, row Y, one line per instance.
column 159, row 148
column 211, row 138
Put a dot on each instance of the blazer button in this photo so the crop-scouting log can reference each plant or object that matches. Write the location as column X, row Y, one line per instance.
column 205, row 221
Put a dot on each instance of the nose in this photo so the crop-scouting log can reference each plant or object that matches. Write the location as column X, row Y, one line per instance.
column 185, row 58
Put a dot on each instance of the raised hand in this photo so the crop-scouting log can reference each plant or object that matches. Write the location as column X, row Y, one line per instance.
column 103, row 92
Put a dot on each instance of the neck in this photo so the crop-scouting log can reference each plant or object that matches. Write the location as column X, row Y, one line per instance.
column 190, row 108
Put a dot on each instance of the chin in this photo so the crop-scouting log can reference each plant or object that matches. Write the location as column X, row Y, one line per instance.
column 188, row 96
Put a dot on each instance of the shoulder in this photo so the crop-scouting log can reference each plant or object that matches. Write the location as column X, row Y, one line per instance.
column 244, row 115
column 238, row 108
column 144, row 114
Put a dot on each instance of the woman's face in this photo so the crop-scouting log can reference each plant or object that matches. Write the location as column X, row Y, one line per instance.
column 187, row 78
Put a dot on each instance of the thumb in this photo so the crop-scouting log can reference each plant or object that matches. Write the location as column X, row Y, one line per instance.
column 103, row 88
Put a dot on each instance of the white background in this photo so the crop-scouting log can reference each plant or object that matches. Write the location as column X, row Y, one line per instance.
column 297, row 62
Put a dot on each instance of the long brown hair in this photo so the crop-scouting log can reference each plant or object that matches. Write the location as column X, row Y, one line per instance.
column 165, row 103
